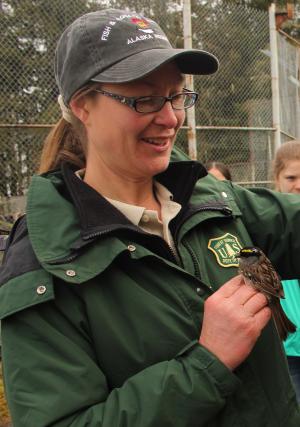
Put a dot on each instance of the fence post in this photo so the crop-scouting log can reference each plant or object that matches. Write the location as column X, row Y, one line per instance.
column 275, row 76
column 191, row 122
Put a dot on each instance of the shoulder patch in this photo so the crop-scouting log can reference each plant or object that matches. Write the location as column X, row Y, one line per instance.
column 225, row 249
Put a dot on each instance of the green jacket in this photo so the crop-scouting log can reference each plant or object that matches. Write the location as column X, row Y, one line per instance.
column 101, row 324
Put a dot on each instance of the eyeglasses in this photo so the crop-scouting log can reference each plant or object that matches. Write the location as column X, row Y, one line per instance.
column 152, row 104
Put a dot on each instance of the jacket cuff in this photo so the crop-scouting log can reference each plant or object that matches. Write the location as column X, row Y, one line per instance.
column 202, row 359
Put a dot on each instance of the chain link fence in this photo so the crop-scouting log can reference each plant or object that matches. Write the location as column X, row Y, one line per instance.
column 233, row 115
column 288, row 64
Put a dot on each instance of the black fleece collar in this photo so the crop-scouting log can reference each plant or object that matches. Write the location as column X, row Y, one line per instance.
column 95, row 211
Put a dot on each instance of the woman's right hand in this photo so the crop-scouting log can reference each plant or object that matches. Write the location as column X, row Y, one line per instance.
column 234, row 317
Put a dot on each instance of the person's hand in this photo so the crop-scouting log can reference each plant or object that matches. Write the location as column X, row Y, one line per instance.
column 234, row 317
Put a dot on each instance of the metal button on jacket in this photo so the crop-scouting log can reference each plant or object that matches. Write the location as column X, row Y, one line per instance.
column 131, row 248
column 41, row 289
column 71, row 273
column 200, row 291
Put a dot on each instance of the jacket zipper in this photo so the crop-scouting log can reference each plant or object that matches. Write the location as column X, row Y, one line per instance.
column 175, row 258
column 63, row 260
column 166, row 246
column 100, row 233
column 211, row 207
column 194, row 259
column 75, row 255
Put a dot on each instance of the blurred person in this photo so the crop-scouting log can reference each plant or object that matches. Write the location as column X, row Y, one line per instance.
column 287, row 180
column 119, row 298
column 219, row 170
column 287, row 168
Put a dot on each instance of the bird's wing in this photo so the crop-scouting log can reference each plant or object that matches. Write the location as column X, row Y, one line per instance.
column 265, row 278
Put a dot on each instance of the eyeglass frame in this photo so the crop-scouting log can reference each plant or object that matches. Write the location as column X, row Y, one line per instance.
column 131, row 101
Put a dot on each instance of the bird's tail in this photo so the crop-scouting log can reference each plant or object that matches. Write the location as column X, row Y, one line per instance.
column 282, row 322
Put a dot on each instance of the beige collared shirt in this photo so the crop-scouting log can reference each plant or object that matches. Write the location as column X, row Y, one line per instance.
column 147, row 219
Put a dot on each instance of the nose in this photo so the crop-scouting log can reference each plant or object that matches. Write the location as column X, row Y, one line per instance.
column 168, row 117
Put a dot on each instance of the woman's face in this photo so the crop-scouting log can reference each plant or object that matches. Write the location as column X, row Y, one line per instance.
column 288, row 180
column 132, row 145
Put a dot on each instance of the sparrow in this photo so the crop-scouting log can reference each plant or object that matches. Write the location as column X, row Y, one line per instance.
column 258, row 271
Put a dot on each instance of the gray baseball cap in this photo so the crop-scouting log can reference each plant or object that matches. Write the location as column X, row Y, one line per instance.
column 117, row 46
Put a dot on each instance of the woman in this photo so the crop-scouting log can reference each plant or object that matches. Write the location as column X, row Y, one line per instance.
column 111, row 288
column 287, row 180
column 287, row 168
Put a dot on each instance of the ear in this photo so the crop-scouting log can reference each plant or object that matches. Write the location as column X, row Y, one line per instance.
column 81, row 108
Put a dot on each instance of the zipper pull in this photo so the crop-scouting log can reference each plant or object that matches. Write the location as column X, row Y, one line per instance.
column 227, row 211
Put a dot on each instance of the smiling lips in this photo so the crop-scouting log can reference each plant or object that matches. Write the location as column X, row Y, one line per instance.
column 159, row 142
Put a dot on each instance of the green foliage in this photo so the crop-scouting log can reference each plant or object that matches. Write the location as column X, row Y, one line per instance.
column 29, row 31
column 237, row 36
column 28, row 93
column 256, row 4
column 290, row 27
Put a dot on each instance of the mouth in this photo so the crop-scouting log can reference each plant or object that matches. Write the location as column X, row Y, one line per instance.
column 158, row 142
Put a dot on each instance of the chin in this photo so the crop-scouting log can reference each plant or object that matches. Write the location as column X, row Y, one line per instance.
column 154, row 166
column 160, row 166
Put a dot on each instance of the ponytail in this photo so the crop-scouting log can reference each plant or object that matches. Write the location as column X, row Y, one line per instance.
column 66, row 142
column 63, row 144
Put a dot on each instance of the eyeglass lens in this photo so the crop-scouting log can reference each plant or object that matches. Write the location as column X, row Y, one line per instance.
column 152, row 104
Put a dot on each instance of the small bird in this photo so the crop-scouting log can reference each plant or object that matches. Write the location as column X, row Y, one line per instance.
column 259, row 272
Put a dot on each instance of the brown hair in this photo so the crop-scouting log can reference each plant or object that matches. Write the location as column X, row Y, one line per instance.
column 221, row 167
column 66, row 141
column 287, row 152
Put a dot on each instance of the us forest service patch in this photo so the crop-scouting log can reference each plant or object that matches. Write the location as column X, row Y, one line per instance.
column 225, row 249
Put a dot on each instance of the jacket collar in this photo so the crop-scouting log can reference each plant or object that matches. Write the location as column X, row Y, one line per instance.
column 95, row 211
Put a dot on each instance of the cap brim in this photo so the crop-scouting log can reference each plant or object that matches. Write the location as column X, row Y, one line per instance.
column 196, row 62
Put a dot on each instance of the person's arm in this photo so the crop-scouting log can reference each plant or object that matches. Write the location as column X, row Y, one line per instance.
column 53, row 378
column 273, row 221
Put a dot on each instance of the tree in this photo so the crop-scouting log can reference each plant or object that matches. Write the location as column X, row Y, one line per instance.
column 291, row 27
column 28, row 93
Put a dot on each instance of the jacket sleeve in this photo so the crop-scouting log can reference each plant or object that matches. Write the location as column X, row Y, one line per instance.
column 273, row 221
column 53, row 378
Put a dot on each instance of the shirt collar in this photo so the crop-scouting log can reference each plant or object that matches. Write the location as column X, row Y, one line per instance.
column 96, row 212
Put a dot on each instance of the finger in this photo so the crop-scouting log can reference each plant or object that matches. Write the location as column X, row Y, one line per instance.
column 243, row 294
column 230, row 287
column 256, row 303
column 263, row 316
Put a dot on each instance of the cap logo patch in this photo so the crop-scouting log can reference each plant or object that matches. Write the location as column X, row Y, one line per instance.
column 107, row 29
column 142, row 23
column 225, row 249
